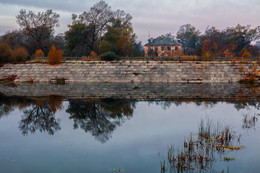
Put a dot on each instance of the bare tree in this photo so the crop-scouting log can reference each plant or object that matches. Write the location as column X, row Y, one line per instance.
column 38, row 27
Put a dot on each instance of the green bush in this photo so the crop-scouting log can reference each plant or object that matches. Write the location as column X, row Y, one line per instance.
column 5, row 53
column 109, row 56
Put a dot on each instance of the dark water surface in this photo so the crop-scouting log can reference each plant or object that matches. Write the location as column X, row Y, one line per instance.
column 62, row 134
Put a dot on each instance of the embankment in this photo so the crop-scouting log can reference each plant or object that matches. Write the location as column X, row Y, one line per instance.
column 127, row 71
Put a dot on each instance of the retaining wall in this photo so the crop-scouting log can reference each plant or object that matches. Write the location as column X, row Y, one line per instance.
column 127, row 71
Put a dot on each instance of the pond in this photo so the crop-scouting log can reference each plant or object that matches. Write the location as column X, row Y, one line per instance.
column 53, row 131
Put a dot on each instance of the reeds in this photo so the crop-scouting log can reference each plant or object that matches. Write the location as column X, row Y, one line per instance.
column 199, row 152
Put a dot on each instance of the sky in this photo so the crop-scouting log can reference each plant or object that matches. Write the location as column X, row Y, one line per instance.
column 150, row 17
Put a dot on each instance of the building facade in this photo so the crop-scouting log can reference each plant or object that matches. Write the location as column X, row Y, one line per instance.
column 162, row 46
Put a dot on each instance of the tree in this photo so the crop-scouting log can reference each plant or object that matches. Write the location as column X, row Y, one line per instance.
column 38, row 27
column 20, row 54
column 16, row 39
column 93, row 54
column 189, row 37
column 127, row 42
column 97, row 19
column 39, row 53
column 206, row 49
column 242, row 35
column 244, row 53
column 93, row 25
column 77, row 38
column 110, row 41
column 55, row 55
column 5, row 53
column 230, row 41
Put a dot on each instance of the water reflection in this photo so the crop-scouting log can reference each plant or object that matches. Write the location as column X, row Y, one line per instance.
column 100, row 118
column 139, row 135
column 201, row 150
column 39, row 116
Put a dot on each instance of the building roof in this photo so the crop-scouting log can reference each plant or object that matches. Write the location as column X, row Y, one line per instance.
column 163, row 41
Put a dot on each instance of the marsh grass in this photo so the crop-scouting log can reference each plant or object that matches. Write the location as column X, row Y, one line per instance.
column 199, row 151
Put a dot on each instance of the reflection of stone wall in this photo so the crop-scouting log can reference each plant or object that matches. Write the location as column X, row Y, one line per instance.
column 134, row 91
column 128, row 71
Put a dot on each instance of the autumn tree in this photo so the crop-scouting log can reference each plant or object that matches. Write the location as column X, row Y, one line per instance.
column 244, row 53
column 20, row 54
column 5, row 53
column 206, row 49
column 16, row 39
column 127, row 42
column 55, row 55
column 38, row 27
column 93, row 54
column 39, row 53
column 230, row 41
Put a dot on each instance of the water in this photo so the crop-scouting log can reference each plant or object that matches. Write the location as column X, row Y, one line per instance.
column 57, row 134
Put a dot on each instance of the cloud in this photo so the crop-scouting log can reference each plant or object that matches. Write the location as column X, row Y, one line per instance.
column 154, row 16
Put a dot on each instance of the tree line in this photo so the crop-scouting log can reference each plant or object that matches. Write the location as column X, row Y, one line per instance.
column 101, row 29
column 229, row 42
column 96, row 31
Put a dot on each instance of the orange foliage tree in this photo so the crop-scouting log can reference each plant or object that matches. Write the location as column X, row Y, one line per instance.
column 179, row 53
column 5, row 53
column 206, row 49
column 228, row 53
column 39, row 53
column 93, row 54
column 55, row 55
column 244, row 53
column 20, row 54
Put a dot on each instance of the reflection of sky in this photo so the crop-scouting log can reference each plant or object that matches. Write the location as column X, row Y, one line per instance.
column 134, row 145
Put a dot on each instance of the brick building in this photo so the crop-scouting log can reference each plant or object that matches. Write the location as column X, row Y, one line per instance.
column 162, row 46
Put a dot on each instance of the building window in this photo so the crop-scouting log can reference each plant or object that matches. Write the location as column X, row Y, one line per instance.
column 176, row 48
column 162, row 54
column 169, row 48
column 156, row 48
column 162, row 48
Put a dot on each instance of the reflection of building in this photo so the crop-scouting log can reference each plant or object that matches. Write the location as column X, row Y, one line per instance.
column 162, row 46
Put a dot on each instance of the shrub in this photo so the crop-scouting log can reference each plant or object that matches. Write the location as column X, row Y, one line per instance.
column 20, row 54
column 39, row 53
column 244, row 53
column 5, row 53
column 55, row 55
column 109, row 56
column 93, row 54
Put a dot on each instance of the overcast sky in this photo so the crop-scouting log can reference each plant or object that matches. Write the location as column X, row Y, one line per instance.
column 156, row 17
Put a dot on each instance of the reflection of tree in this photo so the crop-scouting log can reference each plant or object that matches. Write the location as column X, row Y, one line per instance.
column 55, row 102
column 7, row 104
column 39, row 117
column 100, row 118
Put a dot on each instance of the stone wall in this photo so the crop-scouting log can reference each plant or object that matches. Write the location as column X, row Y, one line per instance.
column 127, row 71
column 143, row 91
